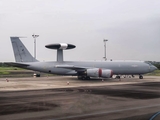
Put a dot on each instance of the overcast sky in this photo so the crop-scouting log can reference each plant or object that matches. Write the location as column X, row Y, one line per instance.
column 131, row 26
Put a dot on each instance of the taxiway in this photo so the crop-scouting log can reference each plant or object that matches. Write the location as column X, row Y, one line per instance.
column 66, row 98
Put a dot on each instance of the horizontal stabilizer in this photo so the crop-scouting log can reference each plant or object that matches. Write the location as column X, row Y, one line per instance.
column 21, row 65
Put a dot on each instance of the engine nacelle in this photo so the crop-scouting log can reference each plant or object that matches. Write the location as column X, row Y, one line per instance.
column 97, row 72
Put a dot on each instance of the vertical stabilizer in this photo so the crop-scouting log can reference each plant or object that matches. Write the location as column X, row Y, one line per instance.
column 21, row 53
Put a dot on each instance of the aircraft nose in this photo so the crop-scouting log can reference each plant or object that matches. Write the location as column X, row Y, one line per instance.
column 153, row 68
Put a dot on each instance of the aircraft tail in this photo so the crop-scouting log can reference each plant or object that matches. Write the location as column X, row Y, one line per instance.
column 21, row 53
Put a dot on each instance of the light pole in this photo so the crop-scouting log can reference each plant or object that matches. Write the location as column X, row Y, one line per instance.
column 35, row 36
column 105, row 40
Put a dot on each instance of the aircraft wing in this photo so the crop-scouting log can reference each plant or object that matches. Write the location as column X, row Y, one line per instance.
column 22, row 65
column 72, row 67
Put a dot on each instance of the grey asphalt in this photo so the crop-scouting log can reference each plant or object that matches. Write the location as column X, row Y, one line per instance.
column 66, row 98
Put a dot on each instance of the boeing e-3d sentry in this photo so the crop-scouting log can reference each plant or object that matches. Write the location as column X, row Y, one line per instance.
column 82, row 69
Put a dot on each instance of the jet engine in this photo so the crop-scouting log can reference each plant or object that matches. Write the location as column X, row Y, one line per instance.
column 97, row 72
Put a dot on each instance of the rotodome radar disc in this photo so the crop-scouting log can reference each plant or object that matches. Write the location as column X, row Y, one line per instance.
column 63, row 46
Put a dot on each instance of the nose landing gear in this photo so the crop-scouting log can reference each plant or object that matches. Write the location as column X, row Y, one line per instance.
column 140, row 77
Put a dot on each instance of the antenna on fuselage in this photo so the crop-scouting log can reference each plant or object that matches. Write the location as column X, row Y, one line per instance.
column 60, row 47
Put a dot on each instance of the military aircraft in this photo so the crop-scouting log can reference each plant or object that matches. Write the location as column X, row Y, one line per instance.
column 82, row 69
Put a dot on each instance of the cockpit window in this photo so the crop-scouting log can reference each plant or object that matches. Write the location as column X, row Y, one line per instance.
column 148, row 63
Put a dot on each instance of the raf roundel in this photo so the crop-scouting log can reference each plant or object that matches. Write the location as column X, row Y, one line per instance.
column 62, row 46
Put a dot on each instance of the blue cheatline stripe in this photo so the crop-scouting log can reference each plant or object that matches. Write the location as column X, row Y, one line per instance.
column 154, row 116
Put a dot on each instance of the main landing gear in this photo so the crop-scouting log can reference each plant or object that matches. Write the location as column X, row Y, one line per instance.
column 83, row 78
